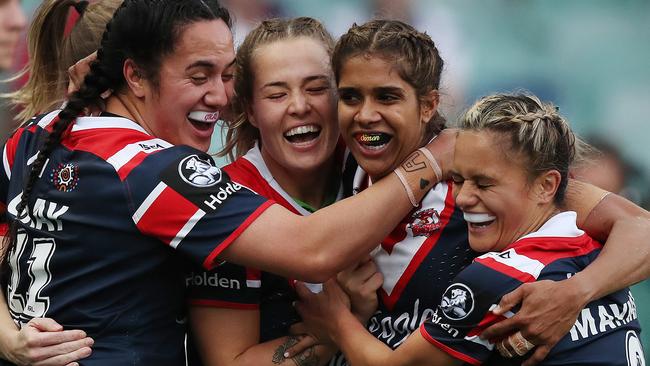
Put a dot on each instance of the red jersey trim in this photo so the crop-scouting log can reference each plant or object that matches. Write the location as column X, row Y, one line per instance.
column 421, row 254
column 509, row 271
column 210, row 260
column 448, row 350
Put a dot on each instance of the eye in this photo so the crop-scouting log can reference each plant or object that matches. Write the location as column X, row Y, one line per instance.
column 276, row 96
column 227, row 77
column 349, row 97
column 317, row 89
column 483, row 185
column 388, row 97
column 199, row 79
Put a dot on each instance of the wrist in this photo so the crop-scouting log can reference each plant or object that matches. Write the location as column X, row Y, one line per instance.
column 7, row 341
column 344, row 322
column 583, row 288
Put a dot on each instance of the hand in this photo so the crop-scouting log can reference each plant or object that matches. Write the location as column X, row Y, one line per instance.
column 43, row 342
column 305, row 340
column 77, row 72
column 548, row 311
column 442, row 148
column 361, row 282
column 319, row 310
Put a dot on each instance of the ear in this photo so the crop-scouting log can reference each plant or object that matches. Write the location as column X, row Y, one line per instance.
column 134, row 79
column 428, row 105
column 249, row 115
column 546, row 186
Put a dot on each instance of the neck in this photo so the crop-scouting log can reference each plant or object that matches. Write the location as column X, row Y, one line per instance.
column 309, row 186
column 127, row 106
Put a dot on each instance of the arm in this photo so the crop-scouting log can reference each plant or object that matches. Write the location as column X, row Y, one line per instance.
column 241, row 345
column 41, row 342
column 336, row 236
column 327, row 310
column 603, row 216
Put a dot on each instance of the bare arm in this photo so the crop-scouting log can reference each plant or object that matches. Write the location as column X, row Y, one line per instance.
column 41, row 342
column 328, row 311
column 241, row 345
column 314, row 248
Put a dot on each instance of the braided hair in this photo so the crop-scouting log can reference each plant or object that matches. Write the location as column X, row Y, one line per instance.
column 531, row 127
column 144, row 31
column 414, row 53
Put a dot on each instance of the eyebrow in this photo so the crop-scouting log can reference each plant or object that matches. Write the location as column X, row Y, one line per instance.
column 203, row 63
column 284, row 84
column 389, row 89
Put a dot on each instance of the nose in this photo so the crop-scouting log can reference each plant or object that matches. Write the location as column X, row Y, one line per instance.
column 14, row 17
column 465, row 197
column 298, row 104
column 367, row 114
column 217, row 95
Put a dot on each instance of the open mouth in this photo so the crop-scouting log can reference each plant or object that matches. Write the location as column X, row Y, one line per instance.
column 373, row 140
column 203, row 120
column 302, row 134
column 478, row 220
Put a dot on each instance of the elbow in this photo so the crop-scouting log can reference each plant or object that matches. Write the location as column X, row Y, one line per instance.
column 319, row 267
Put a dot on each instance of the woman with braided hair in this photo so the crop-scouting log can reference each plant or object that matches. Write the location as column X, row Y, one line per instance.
column 510, row 175
column 99, row 206
column 62, row 33
column 388, row 77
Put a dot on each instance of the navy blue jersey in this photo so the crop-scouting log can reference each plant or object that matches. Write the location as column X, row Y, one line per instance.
column 418, row 260
column 238, row 287
column 96, row 250
column 606, row 332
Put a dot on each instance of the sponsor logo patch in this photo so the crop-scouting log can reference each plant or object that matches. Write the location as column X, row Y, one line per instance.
column 634, row 349
column 199, row 172
column 457, row 302
column 65, row 177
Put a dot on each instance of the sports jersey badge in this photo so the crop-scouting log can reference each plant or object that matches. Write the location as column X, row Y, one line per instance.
column 457, row 302
column 634, row 350
column 65, row 177
column 198, row 172
column 425, row 222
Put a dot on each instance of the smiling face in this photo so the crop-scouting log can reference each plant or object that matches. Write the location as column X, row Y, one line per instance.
column 293, row 104
column 381, row 118
column 492, row 188
column 194, row 83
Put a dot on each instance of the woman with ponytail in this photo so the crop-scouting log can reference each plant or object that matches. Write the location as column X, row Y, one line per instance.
column 61, row 33
column 100, row 206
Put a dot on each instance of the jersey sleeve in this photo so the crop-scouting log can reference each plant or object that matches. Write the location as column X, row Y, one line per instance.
column 464, row 312
column 179, row 196
column 226, row 286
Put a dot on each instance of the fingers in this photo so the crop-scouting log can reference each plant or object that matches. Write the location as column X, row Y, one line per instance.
column 44, row 339
column 45, row 324
column 509, row 300
column 67, row 359
column 302, row 290
column 538, row 356
column 501, row 329
column 514, row 345
column 61, row 354
column 304, row 343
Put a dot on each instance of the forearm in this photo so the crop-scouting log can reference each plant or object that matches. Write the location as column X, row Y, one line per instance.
column 358, row 345
column 316, row 247
column 269, row 353
column 623, row 261
column 8, row 330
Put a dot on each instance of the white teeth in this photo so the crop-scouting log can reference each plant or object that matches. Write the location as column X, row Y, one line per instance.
column 478, row 218
column 203, row 116
column 301, row 129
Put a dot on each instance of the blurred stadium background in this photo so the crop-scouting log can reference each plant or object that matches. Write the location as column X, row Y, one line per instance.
column 590, row 57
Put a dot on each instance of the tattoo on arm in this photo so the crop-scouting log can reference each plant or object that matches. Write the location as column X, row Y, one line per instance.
column 306, row 358
column 278, row 356
column 410, row 165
